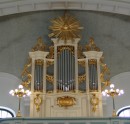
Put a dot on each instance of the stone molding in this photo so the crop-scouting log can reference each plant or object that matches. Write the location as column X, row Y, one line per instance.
column 8, row 7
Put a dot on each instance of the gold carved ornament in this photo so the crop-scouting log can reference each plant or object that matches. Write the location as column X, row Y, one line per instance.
column 38, row 102
column 51, row 53
column 26, row 74
column 65, row 28
column 80, row 52
column 92, row 62
column 82, row 63
column 49, row 63
column 104, row 75
column 40, row 46
column 92, row 46
column 94, row 102
column 66, row 47
column 66, row 101
column 81, row 78
column 39, row 62
column 27, row 82
column 50, row 78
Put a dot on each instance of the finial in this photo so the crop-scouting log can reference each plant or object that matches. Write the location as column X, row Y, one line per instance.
column 91, row 45
column 40, row 46
column 65, row 28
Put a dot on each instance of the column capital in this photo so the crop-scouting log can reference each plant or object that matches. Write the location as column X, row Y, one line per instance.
column 38, row 54
column 93, row 54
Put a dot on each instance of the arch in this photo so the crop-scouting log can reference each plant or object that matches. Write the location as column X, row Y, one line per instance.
column 8, row 7
column 124, row 111
column 6, row 112
column 121, row 75
column 8, row 82
column 121, row 81
column 10, row 76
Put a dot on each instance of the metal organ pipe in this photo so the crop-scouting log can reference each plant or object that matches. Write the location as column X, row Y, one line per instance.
column 68, row 71
column 93, row 84
column 71, row 71
column 38, row 85
column 65, row 70
column 72, row 76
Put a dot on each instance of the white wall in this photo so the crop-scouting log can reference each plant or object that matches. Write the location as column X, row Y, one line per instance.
column 121, row 81
column 8, row 82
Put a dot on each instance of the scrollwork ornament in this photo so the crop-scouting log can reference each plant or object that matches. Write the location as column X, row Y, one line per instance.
column 94, row 102
column 82, row 63
column 66, row 101
column 92, row 46
column 50, row 78
column 38, row 102
column 82, row 78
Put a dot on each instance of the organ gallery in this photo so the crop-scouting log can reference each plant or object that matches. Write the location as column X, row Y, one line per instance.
column 66, row 79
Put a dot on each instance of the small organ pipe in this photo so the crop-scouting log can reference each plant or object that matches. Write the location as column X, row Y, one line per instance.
column 38, row 85
column 65, row 70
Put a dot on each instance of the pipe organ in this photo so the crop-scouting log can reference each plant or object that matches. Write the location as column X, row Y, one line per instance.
column 65, row 68
column 65, row 81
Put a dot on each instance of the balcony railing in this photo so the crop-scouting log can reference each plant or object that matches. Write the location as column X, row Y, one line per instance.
column 117, row 120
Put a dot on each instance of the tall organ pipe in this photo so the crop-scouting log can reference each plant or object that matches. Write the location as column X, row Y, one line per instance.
column 65, row 70
column 93, row 84
column 38, row 78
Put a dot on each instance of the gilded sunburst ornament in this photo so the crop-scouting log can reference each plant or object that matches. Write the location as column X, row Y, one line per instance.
column 65, row 28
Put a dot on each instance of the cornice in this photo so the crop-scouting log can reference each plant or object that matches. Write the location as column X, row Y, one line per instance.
column 8, row 7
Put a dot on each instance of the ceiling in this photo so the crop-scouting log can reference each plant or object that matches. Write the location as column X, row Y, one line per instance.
column 19, row 6
column 108, row 23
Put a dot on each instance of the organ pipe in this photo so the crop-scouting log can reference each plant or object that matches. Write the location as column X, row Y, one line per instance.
column 65, row 70
column 93, row 79
column 38, row 78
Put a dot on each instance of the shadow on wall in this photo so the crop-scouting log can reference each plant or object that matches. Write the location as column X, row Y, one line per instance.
column 121, row 81
column 8, row 82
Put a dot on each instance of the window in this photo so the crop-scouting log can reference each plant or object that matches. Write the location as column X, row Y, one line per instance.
column 124, row 112
column 6, row 112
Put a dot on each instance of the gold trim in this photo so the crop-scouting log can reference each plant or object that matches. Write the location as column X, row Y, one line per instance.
column 104, row 75
column 82, row 63
column 82, row 78
column 38, row 102
column 49, row 63
column 39, row 62
column 40, row 46
column 94, row 102
column 26, row 74
column 65, row 28
column 51, row 53
column 26, row 67
column 80, row 52
column 68, row 47
column 27, row 82
column 66, row 101
column 92, row 61
column 92, row 46
column 50, row 78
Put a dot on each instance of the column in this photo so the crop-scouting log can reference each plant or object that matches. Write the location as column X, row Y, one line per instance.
column 55, row 68
column 33, row 70
column 44, row 76
column 76, row 68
